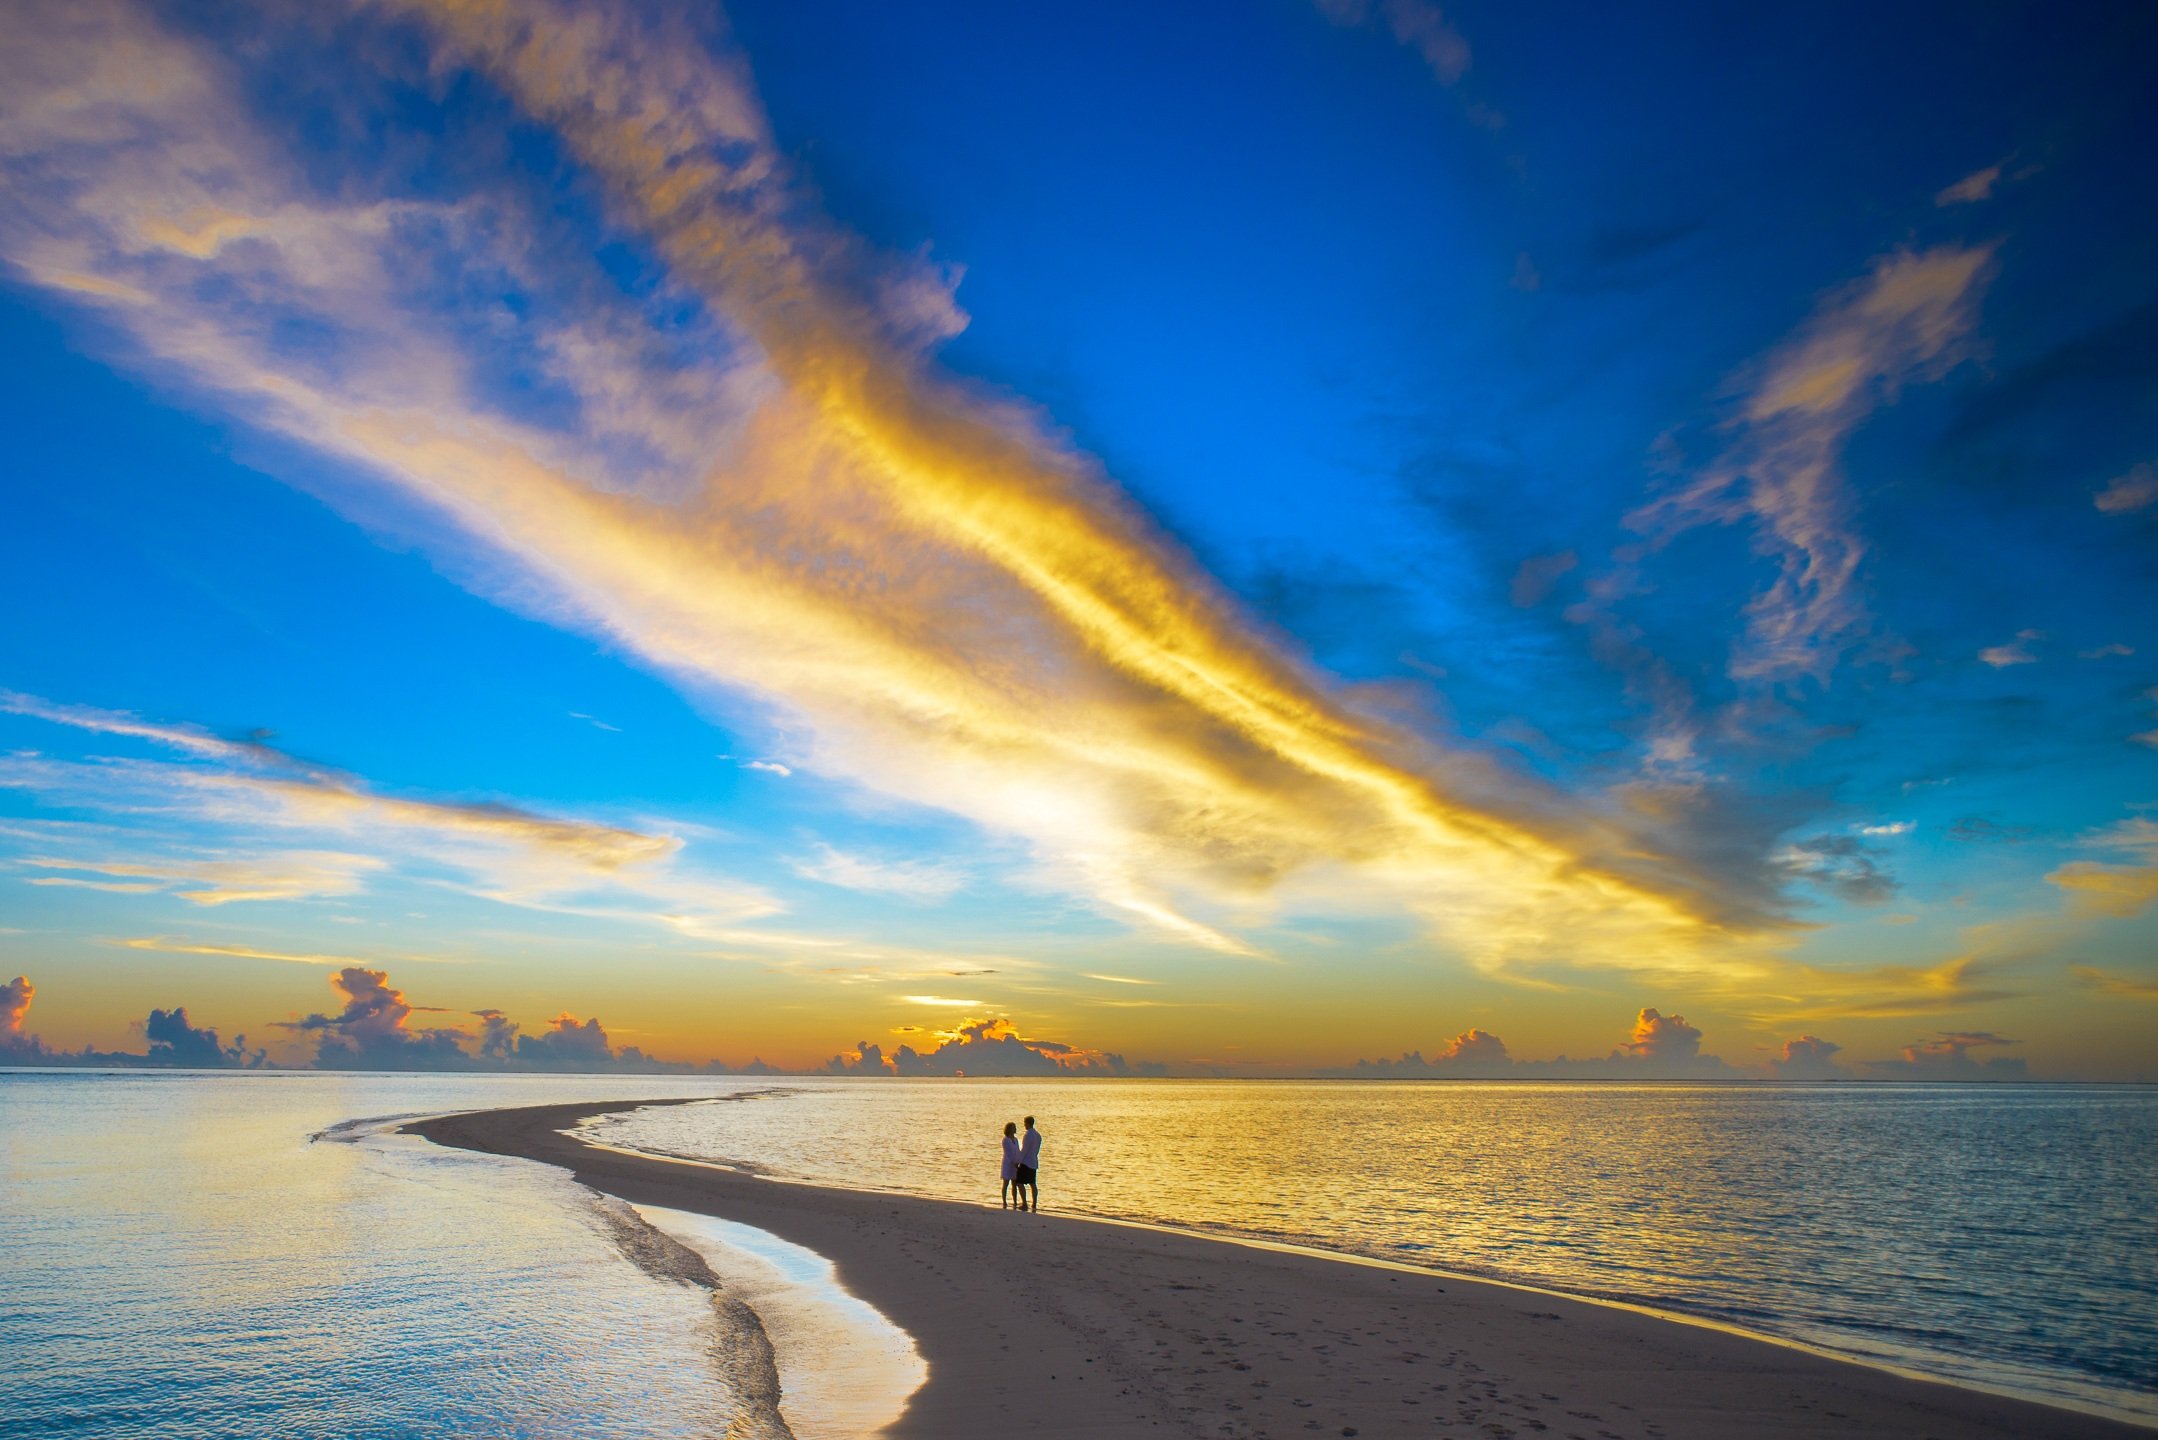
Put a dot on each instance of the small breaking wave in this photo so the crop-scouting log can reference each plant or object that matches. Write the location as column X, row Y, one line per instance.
column 741, row 1352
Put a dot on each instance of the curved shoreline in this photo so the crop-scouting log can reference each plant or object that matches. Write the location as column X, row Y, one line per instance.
column 1074, row 1326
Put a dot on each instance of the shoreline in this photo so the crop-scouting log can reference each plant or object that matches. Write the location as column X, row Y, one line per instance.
column 1085, row 1326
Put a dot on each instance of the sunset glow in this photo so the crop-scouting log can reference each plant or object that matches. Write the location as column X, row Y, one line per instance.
column 847, row 541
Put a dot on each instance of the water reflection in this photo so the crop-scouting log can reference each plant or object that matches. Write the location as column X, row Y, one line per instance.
column 180, row 1260
column 1989, row 1233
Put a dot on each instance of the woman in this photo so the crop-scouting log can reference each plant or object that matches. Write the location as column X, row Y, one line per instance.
column 1011, row 1162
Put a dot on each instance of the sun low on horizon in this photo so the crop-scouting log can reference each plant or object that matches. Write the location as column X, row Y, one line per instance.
column 1234, row 539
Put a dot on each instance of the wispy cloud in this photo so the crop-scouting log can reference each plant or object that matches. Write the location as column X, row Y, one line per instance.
column 1417, row 24
column 2113, row 889
column 170, row 946
column 248, row 791
column 1976, row 186
column 1909, row 319
column 2015, row 652
column 937, row 597
column 321, row 793
column 2132, row 986
column 2126, row 494
column 289, row 875
column 912, row 879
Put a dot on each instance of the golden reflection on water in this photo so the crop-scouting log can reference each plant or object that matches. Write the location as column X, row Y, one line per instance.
column 1986, row 1232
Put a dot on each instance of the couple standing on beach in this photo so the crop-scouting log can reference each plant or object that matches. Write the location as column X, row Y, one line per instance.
column 1021, row 1158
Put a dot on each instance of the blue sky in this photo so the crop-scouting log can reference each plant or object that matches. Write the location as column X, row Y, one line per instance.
column 1360, row 523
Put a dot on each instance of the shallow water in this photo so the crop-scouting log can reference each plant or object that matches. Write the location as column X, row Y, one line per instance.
column 1998, row 1235
column 182, row 1260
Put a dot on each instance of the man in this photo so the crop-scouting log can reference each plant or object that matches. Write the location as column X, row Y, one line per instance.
column 1030, row 1159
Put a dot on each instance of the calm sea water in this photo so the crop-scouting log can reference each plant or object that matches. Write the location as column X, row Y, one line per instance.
column 178, row 1258
column 1991, row 1234
column 183, row 1259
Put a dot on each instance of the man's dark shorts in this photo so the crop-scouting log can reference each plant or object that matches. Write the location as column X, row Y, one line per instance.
column 1024, row 1175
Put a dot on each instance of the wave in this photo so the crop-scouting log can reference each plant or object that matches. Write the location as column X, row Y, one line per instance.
column 741, row 1351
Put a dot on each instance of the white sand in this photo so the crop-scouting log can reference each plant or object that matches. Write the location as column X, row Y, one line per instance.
column 1052, row 1326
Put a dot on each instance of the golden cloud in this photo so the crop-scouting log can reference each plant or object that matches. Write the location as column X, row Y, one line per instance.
column 932, row 594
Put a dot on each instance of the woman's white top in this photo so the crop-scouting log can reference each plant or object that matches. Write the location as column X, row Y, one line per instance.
column 1011, row 1156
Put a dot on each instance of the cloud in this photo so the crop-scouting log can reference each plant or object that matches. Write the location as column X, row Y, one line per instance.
column 1660, row 1047
column 758, row 479
column 1782, row 475
column 769, row 767
column 2015, row 652
column 2114, row 890
column 173, row 1041
column 2121, row 891
column 251, row 789
column 497, row 1039
column 1977, row 974
column 1976, row 186
column 318, row 790
column 1660, row 1037
column 1890, row 827
column 2132, row 986
column 1472, row 1055
column 2106, row 652
column 15, row 998
column 909, row 879
column 986, row 1047
column 1417, row 24
column 372, row 1031
column 567, row 1043
column 1533, row 582
column 1807, row 1058
column 290, row 875
column 1842, row 865
column 2129, row 493
column 864, row 1059
column 244, row 952
column 1947, row 1057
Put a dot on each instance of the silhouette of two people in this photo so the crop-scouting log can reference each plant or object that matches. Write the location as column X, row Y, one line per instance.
column 1022, row 1167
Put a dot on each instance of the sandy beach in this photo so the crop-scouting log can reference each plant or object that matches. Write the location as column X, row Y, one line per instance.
column 1056, row 1325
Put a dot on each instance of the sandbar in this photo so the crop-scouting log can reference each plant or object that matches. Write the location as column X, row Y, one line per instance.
column 1050, row 1326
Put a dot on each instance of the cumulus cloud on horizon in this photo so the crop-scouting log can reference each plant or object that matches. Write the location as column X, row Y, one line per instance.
column 1947, row 1056
column 986, row 1047
column 1659, row 1047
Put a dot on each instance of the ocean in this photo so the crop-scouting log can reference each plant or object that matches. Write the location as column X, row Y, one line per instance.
column 259, row 1255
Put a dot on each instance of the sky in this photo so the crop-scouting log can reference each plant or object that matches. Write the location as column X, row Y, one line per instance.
column 1240, row 538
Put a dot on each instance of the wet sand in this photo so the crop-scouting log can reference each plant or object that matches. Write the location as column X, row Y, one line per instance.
column 1051, row 1326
